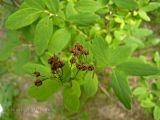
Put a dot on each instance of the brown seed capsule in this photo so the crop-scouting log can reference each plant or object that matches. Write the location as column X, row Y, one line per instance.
column 53, row 59
column 37, row 74
column 79, row 66
column 38, row 82
column 90, row 67
column 54, row 67
column 72, row 60
column 84, row 67
column 79, row 47
column 61, row 64
column 75, row 52
column 84, row 51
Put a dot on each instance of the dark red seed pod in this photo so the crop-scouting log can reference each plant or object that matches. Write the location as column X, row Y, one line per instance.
column 61, row 64
column 75, row 52
column 84, row 51
column 54, row 67
column 84, row 67
column 90, row 67
column 37, row 74
column 79, row 66
column 38, row 82
column 79, row 47
column 72, row 60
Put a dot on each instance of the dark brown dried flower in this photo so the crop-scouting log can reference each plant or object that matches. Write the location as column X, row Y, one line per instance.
column 90, row 67
column 79, row 66
column 73, row 60
column 38, row 82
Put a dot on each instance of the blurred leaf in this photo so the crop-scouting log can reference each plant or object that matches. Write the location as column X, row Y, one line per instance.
column 59, row 40
column 41, row 40
column 156, row 113
column 143, row 15
column 127, row 4
column 22, row 57
column 9, row 45
column 90, row 84
column 70, row 10
column 52, row 5
column 22, row 18
column 84, row 19
column 36, row 4
column 32, row 67
column 100, row 50
column 157, row 58
column 43, row 92
column 142, row 32
column 106, row 56
column 71, row 97
column 44, row 58
column 140, row 91
column 87, row 6
column 147, row 103
column 66, row 72
column 119, row 55
column 151, row 6
column 138, row 68
column 121, row 88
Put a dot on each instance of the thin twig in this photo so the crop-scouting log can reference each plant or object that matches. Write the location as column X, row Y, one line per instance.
column 102, row 88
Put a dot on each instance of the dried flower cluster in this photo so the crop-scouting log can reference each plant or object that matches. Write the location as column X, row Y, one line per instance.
column 55, row 63
column 79, row 50
column 37, row 82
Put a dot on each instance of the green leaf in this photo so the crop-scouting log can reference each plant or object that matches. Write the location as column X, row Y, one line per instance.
column 22, row 57
column 157, row 58
column 66, row 73
column 70, row 10
column 87, row 6
column 32, row 67
column 71, row 102
column 143, row 15
column 138, row 68
column 100, row 50
column 71, row 97
column 140, row 91
column 119, row 55
column 22, row 18
column 103, row 2
column 84, row 19
column 147, row 103
column 127, row 4
column 52, row 5
column 142, row 32
column 59, row 40
column 151, row 6
column 36, row 4
column 106, row 56
column 156, row 113
column 41, row 40
column 75, row 89
column 43, row 92
column 9, row 45
column 90, row 84
column 121, row 88
column 44, row 58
